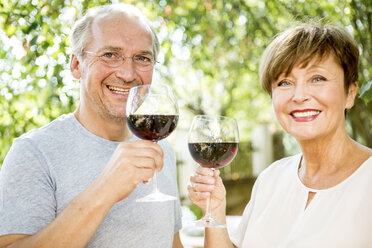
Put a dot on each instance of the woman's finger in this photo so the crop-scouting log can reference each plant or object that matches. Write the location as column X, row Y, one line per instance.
column 197, row 178
column 204, row 171
column 195, row 195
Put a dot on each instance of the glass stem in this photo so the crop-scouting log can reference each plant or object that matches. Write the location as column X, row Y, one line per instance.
column 155, row 182
column 155, row 178
column 208, row 211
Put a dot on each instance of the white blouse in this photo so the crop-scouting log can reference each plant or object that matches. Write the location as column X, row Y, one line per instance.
column 340, row 216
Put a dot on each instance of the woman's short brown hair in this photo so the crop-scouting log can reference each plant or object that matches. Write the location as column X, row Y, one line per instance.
column 304, row 42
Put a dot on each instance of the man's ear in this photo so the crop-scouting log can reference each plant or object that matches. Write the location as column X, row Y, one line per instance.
column 75, row 67
column 351, row 95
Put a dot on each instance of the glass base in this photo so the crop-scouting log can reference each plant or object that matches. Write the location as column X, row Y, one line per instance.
column 208, row 222
column 157, row 196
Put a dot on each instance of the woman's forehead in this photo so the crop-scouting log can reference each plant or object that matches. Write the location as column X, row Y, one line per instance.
column 307, row 60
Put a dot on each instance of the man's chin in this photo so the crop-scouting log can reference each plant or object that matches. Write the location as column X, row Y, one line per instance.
column 114, row 116
column 118, row 117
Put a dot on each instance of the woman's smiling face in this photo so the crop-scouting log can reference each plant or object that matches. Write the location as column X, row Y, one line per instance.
column 310, row 101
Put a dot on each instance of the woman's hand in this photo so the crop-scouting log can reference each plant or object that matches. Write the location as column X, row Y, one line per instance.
column 207, row 182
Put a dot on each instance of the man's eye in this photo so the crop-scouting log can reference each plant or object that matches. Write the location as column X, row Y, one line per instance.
column 109, row 55
column 142, row 58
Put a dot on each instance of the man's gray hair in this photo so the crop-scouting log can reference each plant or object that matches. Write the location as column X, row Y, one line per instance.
column 81, row 33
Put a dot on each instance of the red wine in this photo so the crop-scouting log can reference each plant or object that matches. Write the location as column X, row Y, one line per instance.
column 213, row 155
column 152, row 127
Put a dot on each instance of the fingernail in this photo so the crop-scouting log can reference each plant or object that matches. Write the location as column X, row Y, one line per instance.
column 146, row 181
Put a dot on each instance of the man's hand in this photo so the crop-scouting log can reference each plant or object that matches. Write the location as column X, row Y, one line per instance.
column 130, row 164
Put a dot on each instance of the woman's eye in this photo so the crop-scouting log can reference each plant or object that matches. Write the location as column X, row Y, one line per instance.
column 318, row 79
column 284, row 83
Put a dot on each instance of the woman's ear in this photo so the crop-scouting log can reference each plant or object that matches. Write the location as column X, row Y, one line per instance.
column 351, row 95
column 75, row 67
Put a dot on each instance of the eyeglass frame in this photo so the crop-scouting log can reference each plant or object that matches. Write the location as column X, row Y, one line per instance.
column 123, row 59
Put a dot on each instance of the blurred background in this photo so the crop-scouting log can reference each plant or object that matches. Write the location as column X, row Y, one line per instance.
column 210, row 56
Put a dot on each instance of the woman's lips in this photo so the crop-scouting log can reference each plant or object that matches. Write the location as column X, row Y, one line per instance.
column 305, row 115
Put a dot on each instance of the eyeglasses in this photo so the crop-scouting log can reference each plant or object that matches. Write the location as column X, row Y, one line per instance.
column 142, row 62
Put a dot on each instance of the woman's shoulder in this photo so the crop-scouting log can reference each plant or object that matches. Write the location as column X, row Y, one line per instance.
column 361, row 155
column 284, row 165
column 277, row 178
column 368, row 151
column 282, row 169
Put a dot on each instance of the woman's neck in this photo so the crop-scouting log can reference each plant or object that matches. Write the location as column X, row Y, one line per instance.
column 325, row 163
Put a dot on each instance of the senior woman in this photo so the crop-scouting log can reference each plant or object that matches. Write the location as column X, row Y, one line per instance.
column 322, row 196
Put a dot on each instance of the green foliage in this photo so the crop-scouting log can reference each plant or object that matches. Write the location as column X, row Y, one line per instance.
column 241, row 166
column 195, row 210
column 33, row 59
column 224, row 41
column 210, row 54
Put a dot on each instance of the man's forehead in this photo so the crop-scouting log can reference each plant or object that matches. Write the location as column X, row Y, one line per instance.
column 123, row 20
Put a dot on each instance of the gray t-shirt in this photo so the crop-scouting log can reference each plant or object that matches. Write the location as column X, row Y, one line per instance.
column 46, row 168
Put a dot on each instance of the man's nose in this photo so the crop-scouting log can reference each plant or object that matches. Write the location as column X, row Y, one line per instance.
column 127, row 70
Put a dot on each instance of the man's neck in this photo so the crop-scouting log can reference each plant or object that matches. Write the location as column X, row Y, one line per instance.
column 104, row 127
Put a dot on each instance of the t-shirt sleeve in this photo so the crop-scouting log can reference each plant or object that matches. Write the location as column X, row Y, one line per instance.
column 27, row 199
column 237, row 236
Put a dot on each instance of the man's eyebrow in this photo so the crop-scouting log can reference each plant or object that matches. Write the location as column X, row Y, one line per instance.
column 118, row 49
column 146, row 52
column 110, row 48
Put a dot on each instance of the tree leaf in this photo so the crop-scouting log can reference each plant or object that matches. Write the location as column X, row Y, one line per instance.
column 365, row 87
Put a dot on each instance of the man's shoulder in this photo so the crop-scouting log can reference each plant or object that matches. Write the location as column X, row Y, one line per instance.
column 34, row 146
column 53, row 128
column 43, row 138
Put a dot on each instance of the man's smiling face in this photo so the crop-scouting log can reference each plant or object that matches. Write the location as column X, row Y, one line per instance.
column 105, row 89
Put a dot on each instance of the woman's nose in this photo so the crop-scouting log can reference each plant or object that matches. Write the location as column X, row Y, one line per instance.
column 300, row 93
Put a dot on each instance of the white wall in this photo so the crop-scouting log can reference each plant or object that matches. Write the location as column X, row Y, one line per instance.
column 262, row 145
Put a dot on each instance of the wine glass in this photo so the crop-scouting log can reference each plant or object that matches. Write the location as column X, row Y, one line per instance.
column 213, row 143
column 152, row 114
